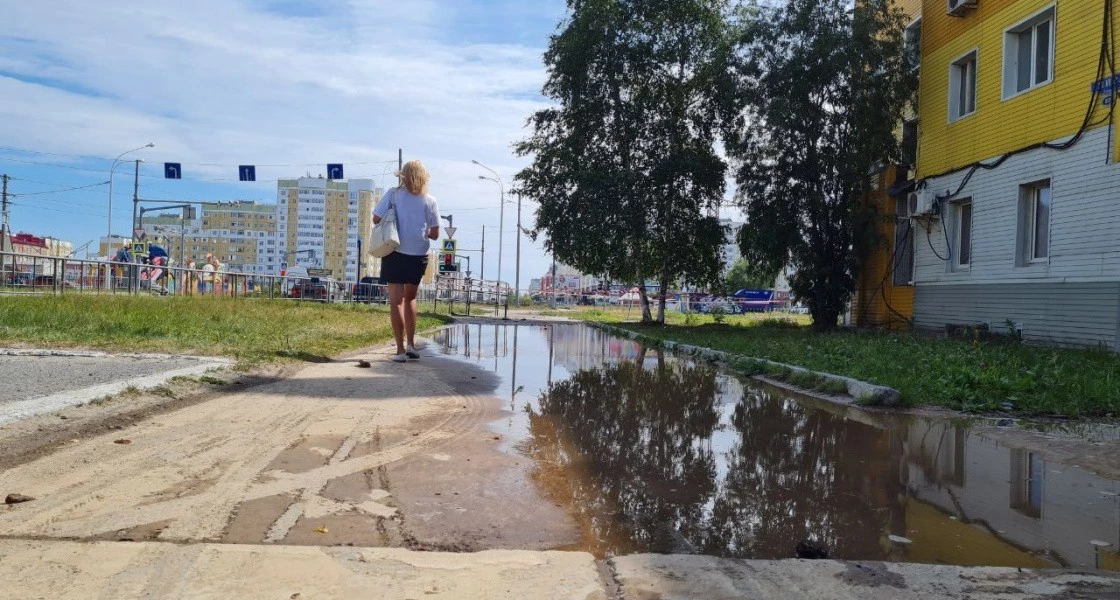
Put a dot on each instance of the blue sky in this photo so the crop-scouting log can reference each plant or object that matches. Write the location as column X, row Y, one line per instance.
column 295, row 84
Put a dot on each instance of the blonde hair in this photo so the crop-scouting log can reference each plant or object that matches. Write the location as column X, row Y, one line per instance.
column 414, row 177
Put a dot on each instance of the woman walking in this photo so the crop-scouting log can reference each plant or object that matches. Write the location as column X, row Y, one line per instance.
column 417, row 224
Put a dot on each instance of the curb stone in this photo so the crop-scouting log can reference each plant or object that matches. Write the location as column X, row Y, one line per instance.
column 862, row 390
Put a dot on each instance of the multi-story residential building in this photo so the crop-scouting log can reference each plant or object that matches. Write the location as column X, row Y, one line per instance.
column 108, row 246
column 242, row 234
column 321, row 222
column 1011, row 206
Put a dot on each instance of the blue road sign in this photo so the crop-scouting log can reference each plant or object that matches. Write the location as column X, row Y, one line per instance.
column 172, row 171
column 334, row 171
column 247, row 172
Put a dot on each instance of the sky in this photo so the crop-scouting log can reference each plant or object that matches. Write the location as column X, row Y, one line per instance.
column 287, row 85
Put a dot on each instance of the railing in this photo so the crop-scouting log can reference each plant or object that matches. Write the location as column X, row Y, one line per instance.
column 472, row 293
column 23, row 274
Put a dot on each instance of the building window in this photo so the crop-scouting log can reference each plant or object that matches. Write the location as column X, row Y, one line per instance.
column 1028, row 54
column 912, row 38
column 962, row 241
column 962, row 86
column 1034, row 223
column 910, row 142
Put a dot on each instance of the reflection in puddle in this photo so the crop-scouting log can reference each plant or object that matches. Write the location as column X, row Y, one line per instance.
column 654, row 454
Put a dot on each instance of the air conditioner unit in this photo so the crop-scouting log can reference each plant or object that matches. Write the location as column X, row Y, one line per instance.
column 920, row 202
column 957, row 8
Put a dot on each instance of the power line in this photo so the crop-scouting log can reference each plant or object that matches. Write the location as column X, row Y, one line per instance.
column 201, row 164
column 70, row 189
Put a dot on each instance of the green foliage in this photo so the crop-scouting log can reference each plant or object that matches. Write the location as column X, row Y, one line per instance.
column 624, row 166
column 718, row 313
column 819, row 89
column 969, row 375
column 744, row 275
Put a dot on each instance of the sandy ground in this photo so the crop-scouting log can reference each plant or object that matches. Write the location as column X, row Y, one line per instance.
column 331, row 482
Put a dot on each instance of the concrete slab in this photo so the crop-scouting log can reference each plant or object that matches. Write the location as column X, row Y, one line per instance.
column 665, row 577
column 63, row 569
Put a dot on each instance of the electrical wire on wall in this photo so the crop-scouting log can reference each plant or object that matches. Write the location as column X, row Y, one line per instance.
column 1106, row 65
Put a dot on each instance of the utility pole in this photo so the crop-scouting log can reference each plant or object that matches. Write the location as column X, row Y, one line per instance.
column 482, row 275
column 5, row 235
column 134, row 283
column 517, row 273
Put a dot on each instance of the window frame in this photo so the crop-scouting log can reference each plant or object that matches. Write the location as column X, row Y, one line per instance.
column 972, row 57
column 958, row 233
column 1034, row 196
column 1010, row 42
column 911, row 33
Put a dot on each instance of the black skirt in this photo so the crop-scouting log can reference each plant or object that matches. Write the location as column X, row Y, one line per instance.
column 403, row 268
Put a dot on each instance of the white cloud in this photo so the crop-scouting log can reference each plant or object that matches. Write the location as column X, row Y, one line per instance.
column 231, row 82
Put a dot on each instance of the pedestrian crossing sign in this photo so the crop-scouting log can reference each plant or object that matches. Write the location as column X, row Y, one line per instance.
column 449, row 246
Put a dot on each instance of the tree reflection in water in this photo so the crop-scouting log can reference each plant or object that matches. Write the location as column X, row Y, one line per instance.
column 631, row 451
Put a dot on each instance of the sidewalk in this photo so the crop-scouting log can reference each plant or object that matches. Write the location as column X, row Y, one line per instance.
column 340, row 481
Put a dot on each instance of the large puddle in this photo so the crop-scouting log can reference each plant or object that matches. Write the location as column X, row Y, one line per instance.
column 653, row 454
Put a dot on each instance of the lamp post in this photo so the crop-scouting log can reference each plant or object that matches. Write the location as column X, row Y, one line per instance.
column 501, row 218
column 117, row 161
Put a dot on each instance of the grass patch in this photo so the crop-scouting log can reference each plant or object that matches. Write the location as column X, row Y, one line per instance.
column 208, row 380
column 164, row 391
column 251, row 331
column 973, row 376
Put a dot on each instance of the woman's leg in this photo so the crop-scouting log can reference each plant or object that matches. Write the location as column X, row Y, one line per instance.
column 410, row 311
column 397, row 313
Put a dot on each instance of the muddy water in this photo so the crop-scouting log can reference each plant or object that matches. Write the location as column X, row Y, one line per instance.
column 652, row 454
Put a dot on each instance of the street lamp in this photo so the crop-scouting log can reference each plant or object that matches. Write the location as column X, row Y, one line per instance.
column 117, row 161
column 501, row 218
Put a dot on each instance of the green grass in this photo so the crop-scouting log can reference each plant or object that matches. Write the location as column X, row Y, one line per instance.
column 251, row 331
column 969, row 376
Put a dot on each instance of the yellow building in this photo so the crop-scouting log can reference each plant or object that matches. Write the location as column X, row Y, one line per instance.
column 1015, row 201
column 241, row 234
column 321, row 222
column 884, row 295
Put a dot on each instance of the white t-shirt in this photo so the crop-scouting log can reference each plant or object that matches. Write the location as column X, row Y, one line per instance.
column 415, row 216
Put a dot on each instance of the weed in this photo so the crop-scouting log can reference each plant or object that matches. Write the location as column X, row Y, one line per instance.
column 164, row 391
column 690, row 320
column 101, row 401
column 208, row 380
column 131, row 391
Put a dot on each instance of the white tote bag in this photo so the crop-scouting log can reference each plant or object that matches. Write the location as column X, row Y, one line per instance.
column 385, row 239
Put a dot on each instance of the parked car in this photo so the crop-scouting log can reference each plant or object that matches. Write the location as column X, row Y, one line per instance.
column 369, row 290
column 317, row 289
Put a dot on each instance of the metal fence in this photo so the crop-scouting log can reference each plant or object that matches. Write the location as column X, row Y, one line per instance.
column 30, row 274
column 27, row 274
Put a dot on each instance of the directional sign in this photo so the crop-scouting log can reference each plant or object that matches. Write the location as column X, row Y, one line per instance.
column 247, row 172
column 449, row 246
column 450, row 231
column 334, row 171
column 451, row 268
column 172, row 171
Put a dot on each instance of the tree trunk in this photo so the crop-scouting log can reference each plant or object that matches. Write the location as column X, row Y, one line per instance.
column 647, row 316
column 664, row 292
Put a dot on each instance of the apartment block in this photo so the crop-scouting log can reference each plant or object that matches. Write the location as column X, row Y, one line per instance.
column 321, row 222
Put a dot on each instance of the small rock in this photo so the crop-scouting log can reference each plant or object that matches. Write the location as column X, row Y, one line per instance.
column 63, row 417
column 1007, row 405
column 415, row 433
column 898, row 539
column 811, row 549
column 322, row 530
column 17, row 499
column 497, row 437
column 295, row 596
column 363, row 364
column 117, row 427
column 1005, row 422
column 122, row 442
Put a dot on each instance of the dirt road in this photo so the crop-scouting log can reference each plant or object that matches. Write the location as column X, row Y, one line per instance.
column 333, row 482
